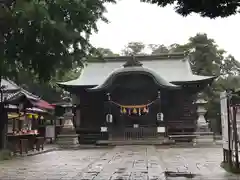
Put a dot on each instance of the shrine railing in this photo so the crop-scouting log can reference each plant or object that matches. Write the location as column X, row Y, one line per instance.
column 131, row 133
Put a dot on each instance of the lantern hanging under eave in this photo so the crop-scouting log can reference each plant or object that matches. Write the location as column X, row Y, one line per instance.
column 160, row 117
column 139, row 111
column 41, row 117
column 145, row 110
column 29, row 116
column 134, row 111
column 123, row 110
column 36, row 116
column 109, row 118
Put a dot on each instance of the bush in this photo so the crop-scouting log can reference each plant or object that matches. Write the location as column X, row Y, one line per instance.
column 5, row 154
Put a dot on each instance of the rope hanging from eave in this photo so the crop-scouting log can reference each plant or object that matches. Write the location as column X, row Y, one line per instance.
column 134, row 109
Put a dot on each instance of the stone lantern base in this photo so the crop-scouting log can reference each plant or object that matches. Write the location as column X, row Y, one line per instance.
column 204, row 139
column 203, row 136
column 68, row 137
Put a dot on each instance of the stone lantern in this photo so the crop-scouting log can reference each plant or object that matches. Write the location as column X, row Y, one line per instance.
column 202, row 124
column 68, row 137
column 204, row 135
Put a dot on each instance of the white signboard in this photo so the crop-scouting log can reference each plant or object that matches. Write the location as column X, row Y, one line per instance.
column 104, row 129
column 50, row 132
column 224, row 120
column 136, row 126
column 161, row 129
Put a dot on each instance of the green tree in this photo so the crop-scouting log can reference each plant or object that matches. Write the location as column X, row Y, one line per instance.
column 48, row 91
column 43, row 36
column 158, row 49
column 212, row 9
column 106, row 52
column 134, row 48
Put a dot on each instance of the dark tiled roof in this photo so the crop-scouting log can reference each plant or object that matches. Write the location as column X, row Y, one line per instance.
column 12, row 90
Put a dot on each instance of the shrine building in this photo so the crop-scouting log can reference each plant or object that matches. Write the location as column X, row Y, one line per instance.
column 136, row 97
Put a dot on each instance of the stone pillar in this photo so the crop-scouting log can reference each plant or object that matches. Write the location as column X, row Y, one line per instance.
column 203, row 132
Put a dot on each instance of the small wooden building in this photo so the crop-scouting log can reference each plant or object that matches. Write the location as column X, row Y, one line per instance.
column 136, row 97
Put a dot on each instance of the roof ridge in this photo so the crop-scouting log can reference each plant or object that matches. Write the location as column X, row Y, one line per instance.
column 162, row 56
column 24, row 91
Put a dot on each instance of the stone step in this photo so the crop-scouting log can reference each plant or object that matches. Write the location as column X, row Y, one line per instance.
column 67, row 141
column 136, row 142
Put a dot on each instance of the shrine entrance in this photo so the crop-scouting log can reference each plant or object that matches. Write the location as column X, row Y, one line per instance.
column 134, row 107
column 136, row 102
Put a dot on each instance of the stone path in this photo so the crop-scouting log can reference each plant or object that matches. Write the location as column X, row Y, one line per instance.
column 204, row 162
column 120, row 163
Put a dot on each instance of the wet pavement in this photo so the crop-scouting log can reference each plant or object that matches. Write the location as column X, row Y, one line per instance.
column 203, row 163
column 120, row 163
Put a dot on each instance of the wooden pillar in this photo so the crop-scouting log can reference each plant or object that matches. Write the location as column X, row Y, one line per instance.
column 77, row 114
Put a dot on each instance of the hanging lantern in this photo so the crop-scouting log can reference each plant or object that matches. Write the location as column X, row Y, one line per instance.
column 145, row 110
column 109, row 118
column 129, row 111
column 134, row 111
column 36, row 116
column 41, row 117
column 30, row 116
column 159, row 116
column 124, row 111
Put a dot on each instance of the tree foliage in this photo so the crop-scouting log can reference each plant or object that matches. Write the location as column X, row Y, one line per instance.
column 48, row 91
column 206, row 8
column 46, row 36
column 134, row 48
column 104, row 52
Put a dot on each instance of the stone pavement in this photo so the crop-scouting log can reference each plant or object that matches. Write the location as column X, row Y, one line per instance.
column 204, row 162
column 120, row 163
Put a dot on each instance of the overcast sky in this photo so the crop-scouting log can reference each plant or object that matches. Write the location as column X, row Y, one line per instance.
column 131, row 20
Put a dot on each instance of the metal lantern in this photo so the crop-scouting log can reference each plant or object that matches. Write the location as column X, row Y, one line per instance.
column 159, row 116
column 109, row 118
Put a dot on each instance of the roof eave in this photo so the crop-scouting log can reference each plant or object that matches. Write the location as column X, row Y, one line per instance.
column 209, row 78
